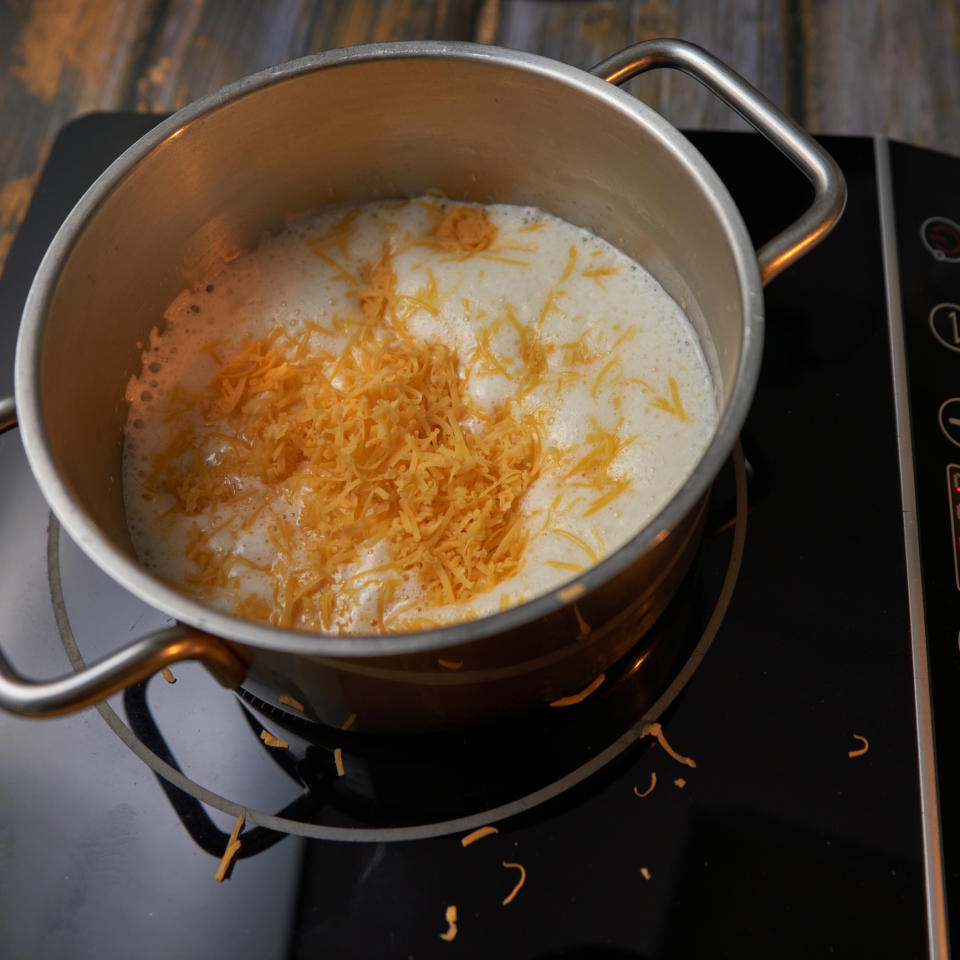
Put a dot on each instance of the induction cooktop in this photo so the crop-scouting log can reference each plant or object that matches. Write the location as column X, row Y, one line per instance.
column 805, row 806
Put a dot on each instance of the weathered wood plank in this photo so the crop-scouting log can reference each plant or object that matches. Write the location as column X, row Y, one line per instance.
column 747, row 35
column 62, row 58
column 57, row 60
column 885, row 67
column 863, row 66
column 203, row 47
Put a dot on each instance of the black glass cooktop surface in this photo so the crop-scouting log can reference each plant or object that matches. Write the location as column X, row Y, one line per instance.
column 797, row 833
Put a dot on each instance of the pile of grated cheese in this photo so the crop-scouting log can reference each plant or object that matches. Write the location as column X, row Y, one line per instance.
column 409, row 413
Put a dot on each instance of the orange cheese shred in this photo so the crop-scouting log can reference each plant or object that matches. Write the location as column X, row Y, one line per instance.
column 450, row 915
column 465, row 230
column 291, row 702
column 370, row 452
column 520, row 882
column 478, row 834
column 649, row 790
column 861, row 750
column 229, row 855
column 379, row 448
column 271, row 741
column 338, row 760
column 167, row 675
column 656, row 731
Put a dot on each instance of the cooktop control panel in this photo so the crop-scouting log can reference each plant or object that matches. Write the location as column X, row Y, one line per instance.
column 928, row 251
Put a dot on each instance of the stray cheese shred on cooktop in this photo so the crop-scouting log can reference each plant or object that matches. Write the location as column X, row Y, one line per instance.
column 230, row 853
column 407, row 414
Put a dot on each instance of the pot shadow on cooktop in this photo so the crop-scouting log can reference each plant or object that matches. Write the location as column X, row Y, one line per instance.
column 395, row 782
column 429, row 778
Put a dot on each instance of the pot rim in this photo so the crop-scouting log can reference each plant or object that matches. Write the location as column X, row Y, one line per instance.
column 127, row 572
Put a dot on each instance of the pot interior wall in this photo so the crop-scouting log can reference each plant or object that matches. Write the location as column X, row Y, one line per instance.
column 474, row 128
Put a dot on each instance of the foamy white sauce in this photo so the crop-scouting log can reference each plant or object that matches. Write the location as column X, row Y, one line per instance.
column 283, row 281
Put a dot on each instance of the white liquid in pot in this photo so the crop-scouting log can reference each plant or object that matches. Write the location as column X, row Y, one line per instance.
column 577, row 387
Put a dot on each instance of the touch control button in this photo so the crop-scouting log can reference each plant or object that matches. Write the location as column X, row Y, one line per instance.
column 945, row 323
column 942, row 238
column 950, row 420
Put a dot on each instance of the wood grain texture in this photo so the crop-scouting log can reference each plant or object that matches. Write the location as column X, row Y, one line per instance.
column 886, row 67
column 749, row 35
column 838, row 66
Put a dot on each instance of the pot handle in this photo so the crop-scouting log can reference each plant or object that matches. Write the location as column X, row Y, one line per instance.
column 830, row 192
column 136, row 661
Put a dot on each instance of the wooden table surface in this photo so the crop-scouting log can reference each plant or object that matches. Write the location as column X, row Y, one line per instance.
column 837, row 66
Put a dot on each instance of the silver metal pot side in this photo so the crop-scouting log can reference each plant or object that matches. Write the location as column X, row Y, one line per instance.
column 347, row 127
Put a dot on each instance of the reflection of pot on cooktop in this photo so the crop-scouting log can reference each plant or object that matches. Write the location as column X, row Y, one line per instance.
column 779, row 840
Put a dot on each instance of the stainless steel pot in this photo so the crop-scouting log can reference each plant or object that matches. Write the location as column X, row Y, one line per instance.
column 349, row 126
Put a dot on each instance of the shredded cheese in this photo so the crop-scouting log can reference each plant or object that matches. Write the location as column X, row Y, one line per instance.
column 229, row 855
column 862, row 750
column 373, row 453
column 291, row 702
column 449, row 664
column 582, row 695
column 649, row 790
column 680, row 782
column 167, row 675
column 520, row 882
column 656, row 731
column 351, row 471
column 349, row 722
column 465, row 230
column 478, row 834
column 338, row 761
column 645, row 873
column 271, row 741
column 451, row 917
column 672, row 404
